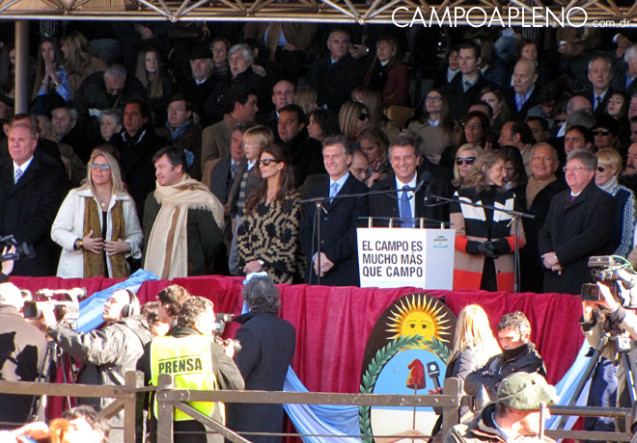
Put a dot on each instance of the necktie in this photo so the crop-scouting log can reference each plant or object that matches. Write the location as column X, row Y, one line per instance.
column 16, row 176
column 333, row 191
column 404, row 209
column 519, row 101
column 598, row 102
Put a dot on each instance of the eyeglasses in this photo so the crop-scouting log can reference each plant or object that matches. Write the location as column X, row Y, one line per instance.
column 601, row 132
column 433, row 99
column 572, row 168
column 102, row 166
column 267, row 161
column 363, row 116
column 465, row 160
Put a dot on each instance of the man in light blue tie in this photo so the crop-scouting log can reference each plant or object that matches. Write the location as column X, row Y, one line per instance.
column 522, row 96
column 335, row 262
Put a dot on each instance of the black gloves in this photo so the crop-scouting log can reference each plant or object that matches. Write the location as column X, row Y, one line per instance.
column 492, row 249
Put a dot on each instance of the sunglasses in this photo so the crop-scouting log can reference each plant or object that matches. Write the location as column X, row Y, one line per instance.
column 601, row 132
column 103, row 166
column 465, row 160
column 363, row 116
column 267, row 161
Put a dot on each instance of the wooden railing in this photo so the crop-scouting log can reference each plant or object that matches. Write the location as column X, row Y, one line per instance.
column 125, row 397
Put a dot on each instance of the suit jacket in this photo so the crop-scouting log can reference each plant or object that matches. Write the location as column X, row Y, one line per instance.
column 459, row 100
column 28, row 208
column 334, row 82
column 509, row 98
column 254, row 179
column 601, row 109
column 575, row 231
column 386, row 205
column 221, row 178
column 338, row 232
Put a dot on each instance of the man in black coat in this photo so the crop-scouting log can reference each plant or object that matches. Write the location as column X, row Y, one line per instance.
column 336, row 261
column 405, row 159
column 22, row 347
column 137, row 145
column 578, row 225
column 32, row 187
column 518, row 355
column 335, row 75
column 465, row 87
column 267, row 346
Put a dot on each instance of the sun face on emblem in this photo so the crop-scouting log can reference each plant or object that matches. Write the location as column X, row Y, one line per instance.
column 418, row 316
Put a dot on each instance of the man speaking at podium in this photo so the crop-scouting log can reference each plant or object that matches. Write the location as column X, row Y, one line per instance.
column 405, row 158
column 336, row 262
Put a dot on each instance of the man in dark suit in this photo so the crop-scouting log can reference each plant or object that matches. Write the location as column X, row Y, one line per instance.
column 600, row 76
column 465, row 87
column 405, row 159
column 335, row 75
column 137, row 144
column 523, row 95
column 578, row 225
column 32, row 187
column 336, row 260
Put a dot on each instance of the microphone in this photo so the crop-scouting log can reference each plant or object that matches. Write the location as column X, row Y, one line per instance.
column 424, row 179
column 433, row 371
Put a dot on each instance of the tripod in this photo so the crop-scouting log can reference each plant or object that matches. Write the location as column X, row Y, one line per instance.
column 53, row 358
column 622, row 344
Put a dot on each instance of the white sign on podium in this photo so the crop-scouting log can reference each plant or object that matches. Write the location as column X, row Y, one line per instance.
column 398, row 257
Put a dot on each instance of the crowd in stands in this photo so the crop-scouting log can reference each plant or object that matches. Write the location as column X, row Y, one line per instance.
column 156, row 129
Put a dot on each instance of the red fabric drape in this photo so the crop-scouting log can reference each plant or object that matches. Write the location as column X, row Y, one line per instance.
column 333, row 323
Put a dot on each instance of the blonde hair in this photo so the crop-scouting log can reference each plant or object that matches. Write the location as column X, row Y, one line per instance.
column 347, row 117
column 306, row 97
column 457, row 180
column 611, row 157
column 116, row 175
column 474, row 332
column 262, row 135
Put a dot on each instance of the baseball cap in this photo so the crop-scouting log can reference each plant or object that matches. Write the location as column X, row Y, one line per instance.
column 524, row 392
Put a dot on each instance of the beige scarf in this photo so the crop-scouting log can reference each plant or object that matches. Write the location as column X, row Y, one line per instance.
column 167, row 251
column 534, row 187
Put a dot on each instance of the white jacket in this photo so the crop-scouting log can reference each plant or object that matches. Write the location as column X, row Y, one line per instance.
column 69, row 226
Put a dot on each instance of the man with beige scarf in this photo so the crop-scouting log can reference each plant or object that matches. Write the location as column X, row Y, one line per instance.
column 183, row 221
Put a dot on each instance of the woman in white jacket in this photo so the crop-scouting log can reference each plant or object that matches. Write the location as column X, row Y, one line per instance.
column 97, row 225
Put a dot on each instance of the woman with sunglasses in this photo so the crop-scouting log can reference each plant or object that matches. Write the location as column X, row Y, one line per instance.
column 435, row 125
column 609, row 167
column 97, row 225
column 485, row 238
column 465, row 158
column 352, row 118
column 267, row 239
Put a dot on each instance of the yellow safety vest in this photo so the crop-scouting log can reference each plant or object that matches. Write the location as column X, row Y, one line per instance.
column 189, row 360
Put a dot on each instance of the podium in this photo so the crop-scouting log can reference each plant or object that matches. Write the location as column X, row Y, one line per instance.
column 396, row 257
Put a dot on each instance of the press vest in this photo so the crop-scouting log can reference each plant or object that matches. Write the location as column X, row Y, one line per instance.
column 189, row 360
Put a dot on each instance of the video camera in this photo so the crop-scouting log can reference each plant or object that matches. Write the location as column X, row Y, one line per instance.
column 65, row 303
column 616, row 273
column 221, row 319
column 23, row 250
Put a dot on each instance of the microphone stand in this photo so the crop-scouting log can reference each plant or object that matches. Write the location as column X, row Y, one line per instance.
column 319, row 206
column 515, row 218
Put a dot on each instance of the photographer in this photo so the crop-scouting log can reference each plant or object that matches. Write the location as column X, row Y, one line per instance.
column 608, row 382
column 108, row 353
column 22, row 347
column 7, row 265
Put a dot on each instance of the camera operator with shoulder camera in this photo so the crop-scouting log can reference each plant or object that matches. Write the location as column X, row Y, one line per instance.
column 611, row 329
column 108, row 353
